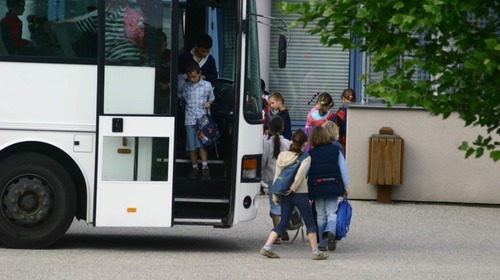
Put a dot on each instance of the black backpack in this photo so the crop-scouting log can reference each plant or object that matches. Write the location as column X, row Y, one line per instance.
column 296, row 223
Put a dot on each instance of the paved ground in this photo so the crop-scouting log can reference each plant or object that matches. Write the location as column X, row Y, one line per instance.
column 396, row 241
column 421, row 241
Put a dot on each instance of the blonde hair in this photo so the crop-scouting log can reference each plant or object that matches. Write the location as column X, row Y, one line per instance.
column 278, row 96
column 332, row 129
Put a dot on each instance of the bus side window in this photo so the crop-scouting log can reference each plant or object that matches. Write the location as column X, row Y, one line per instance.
column 3, row 50
column 61, row 34
column 33, row 28
column 76, row 36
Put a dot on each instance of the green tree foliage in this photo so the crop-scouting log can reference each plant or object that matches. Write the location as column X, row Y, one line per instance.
column 437, row 36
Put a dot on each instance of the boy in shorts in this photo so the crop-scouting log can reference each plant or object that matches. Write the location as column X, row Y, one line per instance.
column 198, row 95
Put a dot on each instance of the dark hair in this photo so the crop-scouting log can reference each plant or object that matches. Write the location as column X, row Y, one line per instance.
column 204, row 41
column 276, row 127
column 349, row 94
column 262, row 84
column 193, row 66
column 298, row 140
column 324, row 99
column 319, row 137
column 15, row 3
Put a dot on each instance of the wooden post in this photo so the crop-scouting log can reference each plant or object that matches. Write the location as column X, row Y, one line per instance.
column 384, row 194
column 385, row 165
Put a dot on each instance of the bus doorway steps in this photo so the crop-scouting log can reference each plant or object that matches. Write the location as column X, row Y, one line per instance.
column 201, row 209
column 217, row 187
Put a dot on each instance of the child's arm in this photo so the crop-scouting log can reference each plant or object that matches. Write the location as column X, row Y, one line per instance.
column 343, row 170
column 211, row 97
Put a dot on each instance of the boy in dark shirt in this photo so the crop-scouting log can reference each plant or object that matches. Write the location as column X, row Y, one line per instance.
column 201, row 55
column 277, row 108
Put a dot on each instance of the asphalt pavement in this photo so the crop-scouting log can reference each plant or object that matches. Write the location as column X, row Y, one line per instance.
column 385, row 241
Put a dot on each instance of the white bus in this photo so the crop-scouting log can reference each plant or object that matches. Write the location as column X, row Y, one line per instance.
column 85, row 134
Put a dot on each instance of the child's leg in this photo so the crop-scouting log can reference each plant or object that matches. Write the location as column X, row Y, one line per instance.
column 205, row 174
column 204, row 157
column 192, row 143
column 194, row 158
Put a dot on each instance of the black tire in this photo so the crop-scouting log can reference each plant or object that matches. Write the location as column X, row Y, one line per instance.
column 37, row 199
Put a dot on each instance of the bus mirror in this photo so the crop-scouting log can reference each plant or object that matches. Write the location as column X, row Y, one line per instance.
column 282, row 49
column 284, row 40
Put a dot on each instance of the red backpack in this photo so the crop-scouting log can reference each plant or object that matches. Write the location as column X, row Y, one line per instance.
column 341, row 122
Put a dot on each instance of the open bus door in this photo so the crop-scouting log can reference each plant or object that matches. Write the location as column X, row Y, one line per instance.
column 134, row 182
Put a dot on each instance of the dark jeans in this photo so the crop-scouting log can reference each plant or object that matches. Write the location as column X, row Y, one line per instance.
column 301, row 200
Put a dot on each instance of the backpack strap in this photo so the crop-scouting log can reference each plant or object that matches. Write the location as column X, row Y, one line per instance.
column 341, row 113
column 302, row 157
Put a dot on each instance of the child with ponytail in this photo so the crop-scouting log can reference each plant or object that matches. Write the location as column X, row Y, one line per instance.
column 272, row 148
column 319, row 114
column 296, row 196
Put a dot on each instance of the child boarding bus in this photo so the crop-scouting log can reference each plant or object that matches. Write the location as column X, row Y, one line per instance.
column 91, row 125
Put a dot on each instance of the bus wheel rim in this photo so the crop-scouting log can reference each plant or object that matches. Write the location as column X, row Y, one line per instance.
column 27, row 201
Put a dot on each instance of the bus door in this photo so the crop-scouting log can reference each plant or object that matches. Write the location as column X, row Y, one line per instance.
column 135, row 129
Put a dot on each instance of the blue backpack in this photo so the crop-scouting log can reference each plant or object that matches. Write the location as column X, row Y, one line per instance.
column 344, row 214
column 208, row 132
column 285, row 180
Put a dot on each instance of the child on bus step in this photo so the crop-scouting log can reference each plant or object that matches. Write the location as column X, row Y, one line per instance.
column 319, row 114
column 271, row 149
column 277, row 108
column 198, row 95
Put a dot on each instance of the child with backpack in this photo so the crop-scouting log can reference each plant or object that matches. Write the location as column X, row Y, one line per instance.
column 295, row 196
column 327, row 180
column 348, row 96
column 272, row 148
column 198, row 95
column 319, row 114
column 277, row 108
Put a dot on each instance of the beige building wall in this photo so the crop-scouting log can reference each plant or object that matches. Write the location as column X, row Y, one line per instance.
column 434, row 169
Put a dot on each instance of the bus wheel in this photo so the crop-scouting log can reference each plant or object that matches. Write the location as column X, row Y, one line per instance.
column 38, row 201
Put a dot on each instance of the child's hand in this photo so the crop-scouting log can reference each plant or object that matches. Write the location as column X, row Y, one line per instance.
column 207, row 105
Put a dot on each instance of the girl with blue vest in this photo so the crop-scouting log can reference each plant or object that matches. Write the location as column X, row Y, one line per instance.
column 328, row 179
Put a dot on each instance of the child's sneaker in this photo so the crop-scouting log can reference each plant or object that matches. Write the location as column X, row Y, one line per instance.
column 268, row 253
column 331, row 241
column 320, row 256
column 195, row 173
column 205, row 174
column 285, row 236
